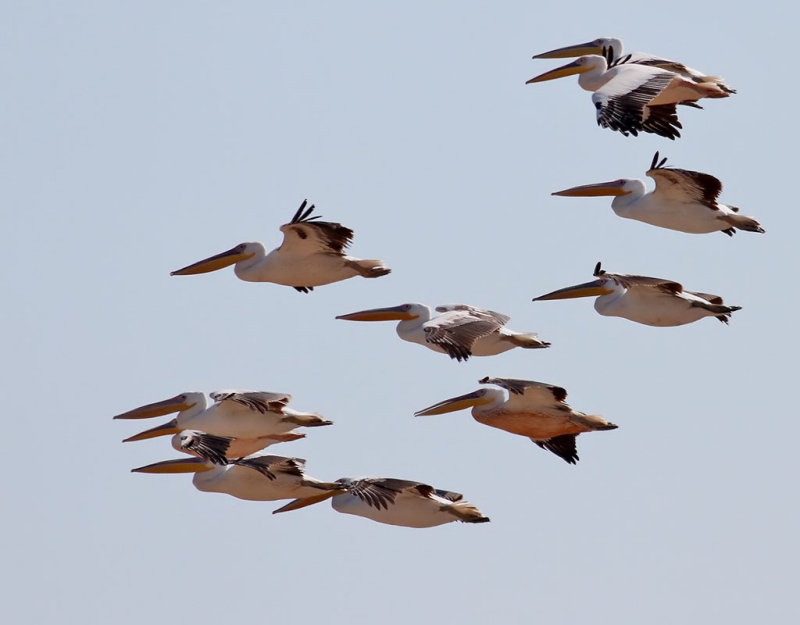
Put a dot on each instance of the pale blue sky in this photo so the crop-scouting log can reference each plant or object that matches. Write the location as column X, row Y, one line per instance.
column 140, row 137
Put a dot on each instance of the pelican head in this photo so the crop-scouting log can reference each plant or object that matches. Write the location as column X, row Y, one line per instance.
column 578, row 66
column 183, row 465
column 403, row 312
column 179, row 403
column 241, row 252
column 476, row 398
column 596, row 46
column 623, row 186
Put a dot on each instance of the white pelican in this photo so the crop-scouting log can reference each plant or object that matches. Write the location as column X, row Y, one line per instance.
column 238, row 414
column 312, row 254
column 651, row 301
column 682, row 200
column 255, row 478
column 611, row 48
column 533, row 409
column 460, row 331
column 632, row 98
column 394, row 502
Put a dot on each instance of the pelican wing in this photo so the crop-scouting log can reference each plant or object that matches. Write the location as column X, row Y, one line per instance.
column 622, row 103
column 381, row 492
column 714, row 299
column 645, row 282
column 269, row 466
column 449, row 495
column 527, row 395
column 259, row 401
column 683, row 185
column 477, row 312
column 562, row 446
column 304, row 235
column 457, row 330
column 208, row 446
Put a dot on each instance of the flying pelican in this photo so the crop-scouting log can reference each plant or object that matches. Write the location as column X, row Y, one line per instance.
column 632, row 98
column 394, row 502
column 312, row 254
column 238, row 414
column 533, row 409
column 682, row 200
column 460, row 331
column 257, row 477
column 611, row 48
column 651, row 301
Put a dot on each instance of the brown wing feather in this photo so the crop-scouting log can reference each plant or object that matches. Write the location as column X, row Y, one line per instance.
column 629, row 281
column 260, row 401
column 379, row 492
column 332, row 235
column 208, row 446
column 690, row 186
column 457, row 332
column 518, row 387
column 268, row 466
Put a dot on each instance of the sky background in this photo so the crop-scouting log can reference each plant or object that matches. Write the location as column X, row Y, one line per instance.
column 140, row 137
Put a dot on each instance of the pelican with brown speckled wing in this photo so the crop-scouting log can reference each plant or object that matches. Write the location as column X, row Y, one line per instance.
column 532, row 409
column 612, row 49
column 394, row 502
column 258, row 477
column 460, row 331
column 683, row 200
column 239, row 414
column 651, row 301
column 312, row 254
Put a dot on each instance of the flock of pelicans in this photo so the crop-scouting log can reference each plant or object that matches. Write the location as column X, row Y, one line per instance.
column 226, row 439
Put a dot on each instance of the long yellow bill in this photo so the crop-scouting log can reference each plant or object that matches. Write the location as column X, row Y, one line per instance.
column 579, row 49
column 170, row 427
column 308, row 501
column 456, row 403
column 220, row 261
column 615, row 187
column 560, row 72
column 587, row 289
column 391, row 313
column 159, row 408
column 182, row 465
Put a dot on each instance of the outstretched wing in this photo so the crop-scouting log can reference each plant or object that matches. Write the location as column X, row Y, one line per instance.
column 304, row 236
column 646, row 282
column 683, row 185
column 380, row 492
column 622, row 103
column 477, row 312
column 456, row 331
column 207, row 446
column 270, row 466
column 530, row 396
column 260, row 401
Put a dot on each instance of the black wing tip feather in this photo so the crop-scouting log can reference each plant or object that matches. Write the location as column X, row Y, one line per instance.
column 303, row 214
column 598, row 271
column 656, row 164
column 562, row 446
